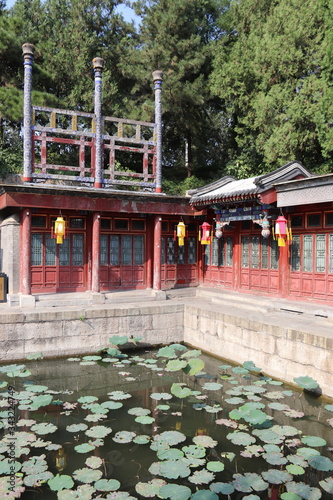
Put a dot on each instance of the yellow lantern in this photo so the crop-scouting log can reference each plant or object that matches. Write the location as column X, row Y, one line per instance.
column 181, row 232
column 60, row 229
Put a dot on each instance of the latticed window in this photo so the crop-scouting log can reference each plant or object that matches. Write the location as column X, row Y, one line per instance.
column 192, row 254
column 207, row 255
column 104, row 250
column 36, row 249
column 245, row 251
column 255, row 252
column 77, row 250
column 138, row 243
column 221, row 252
column 264, row 253
column 114, row 250
column 215, row 252
column 274, row 254
column 331, row 254
column 126, row 254
column 163, row 250
column 64, row 259
column 229, row 251
column 50, row 250
column 320, row 253
column 170, row 251
column 307, row 253
column 181, row 255
column 296, row 253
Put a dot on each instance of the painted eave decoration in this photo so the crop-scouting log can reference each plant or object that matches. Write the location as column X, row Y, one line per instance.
column 228, row 189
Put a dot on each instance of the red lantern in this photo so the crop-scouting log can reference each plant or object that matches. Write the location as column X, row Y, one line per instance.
column 281, row 230
column 205, row 234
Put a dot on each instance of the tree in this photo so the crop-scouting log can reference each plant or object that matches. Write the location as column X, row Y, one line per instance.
column 177, row 37
column 271, row 68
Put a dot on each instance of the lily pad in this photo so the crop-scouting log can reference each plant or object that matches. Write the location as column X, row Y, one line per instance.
column 175, row 364
column 87, row 475
column 84, row 448
column 94, row 462
column 303, row 490
column 212, row 386
column 171, row 437
column 321, row 463
column 194, row 366
column 107, row 485
column 44, row 428
column 205, row 441
column 138, row 411
column 249, row 482
column 174, row 469
column 124, row 437
column 150, row 489
column 249, row 365
column 175, row 491
column 60, row 482
column 202, row 477
column 215, row 466
column 327, row 484
column 241, row 438
column 204, row 495
column 161, row 396
column 178, row 390
column 76, row 427
column 295, row 470
column 275, row 476
column 224, row 488
column 306, row 382
column 313, row 441
column 119, row 395
column 98, row 431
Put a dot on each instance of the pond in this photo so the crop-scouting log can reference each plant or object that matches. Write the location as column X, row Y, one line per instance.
column 166, row 423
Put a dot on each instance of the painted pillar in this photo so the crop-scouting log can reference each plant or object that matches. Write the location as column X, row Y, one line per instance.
column 25, row 253
column 28, row 54
column 157, row 252
column 95, row 255
column 149, row 252
column 158, row 79
column 98, row 64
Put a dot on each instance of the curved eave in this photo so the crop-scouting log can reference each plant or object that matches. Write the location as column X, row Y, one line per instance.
column 226, row 200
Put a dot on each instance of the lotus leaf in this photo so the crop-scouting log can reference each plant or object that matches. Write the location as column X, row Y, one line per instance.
column 204, row 441
column 60, row 482
column 118, row 339
column 94, row 462
column 16, row 490
column 213, row 409
column 34, row 465
column 202, row 477
column 166, row 352
column 295, row 470
column 87, row 475
column 175, row 364
column 175, row 491
column 138, row 411
column 42, row 400
column 321, row 463
column 192, row 353
column 94, row 417
column 160, row 395
column 3, row 384
column 87, row 399
column 290, row 496
column 199, row 406
column 327, row 484
column 37, row 479
column 145, row 420
column 274, row 458
column 124, row 437
column 7, row 466
column 234, row 401
column 307, row 452
column 84, row 448
column 249, row 482
column 119, row 395
column 303, row 490
column 306, row 382
column 76, row 427
column 107, row 485
column 224, row 488
column 171, row 437
column 215, row 466
column 112, row 351
column 119, row 495
column 44, row 428
column 141, row 439
column 92, row 358
column 150, row 489
column 193, row 451
column 297, row 460
column 248, row 413
column 240, row 370
column 19, row 373
column 278, row 406
column 252, row 451
column 227, row 423
column 212, row 386
column 249, row 365
column 112, row 405
column 163, row 407
column 285, row 430
column 328, row 407
column 95, row 408
column 313, row 441
column 204, row 495
column 11, row 368
column 38, row 388
column 255, row 389
column 98, row 431
column 268, row 436
column 170, row 454
column 194, row 366
column 274, row 395
column 241, row 438
column 174, row 469
column 178, row 390
column 275, row 476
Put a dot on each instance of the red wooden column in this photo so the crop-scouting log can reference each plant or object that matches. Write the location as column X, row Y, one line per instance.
column 25, row 253
column 149, row 252
column 157, row 252
column 95, row 254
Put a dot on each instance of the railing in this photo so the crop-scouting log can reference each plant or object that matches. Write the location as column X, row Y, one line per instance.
column 64, row 148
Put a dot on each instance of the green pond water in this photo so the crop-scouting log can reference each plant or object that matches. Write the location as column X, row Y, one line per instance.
column 168, row 423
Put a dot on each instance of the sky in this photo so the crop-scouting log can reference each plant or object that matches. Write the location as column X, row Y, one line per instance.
column 127, row 12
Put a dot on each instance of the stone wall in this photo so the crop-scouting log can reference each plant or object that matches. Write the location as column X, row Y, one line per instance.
column 78, row 331
column 10, row 251
column 282, row 352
